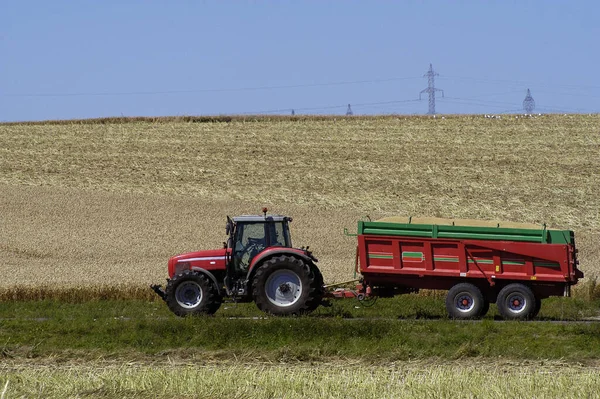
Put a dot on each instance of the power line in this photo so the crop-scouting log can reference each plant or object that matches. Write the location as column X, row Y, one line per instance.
column 327, row 107
column 218, row 90
column 495, row 94
column 567, row 94
column 484, row 102
column 517, row 82
column 491, row 103
column 478, row 104
column 511, row 111
column 518, row 107
column 431, row 89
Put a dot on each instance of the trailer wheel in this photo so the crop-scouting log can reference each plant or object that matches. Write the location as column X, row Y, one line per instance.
column 516, row 302
column 538, row 307
column 465, row 301
column 286, row 285
column 192, row 293
column 486, row 308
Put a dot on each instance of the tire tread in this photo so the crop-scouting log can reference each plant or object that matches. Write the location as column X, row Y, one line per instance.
column 211, row 299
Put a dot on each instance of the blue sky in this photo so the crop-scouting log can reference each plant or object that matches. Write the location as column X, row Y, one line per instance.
column 80, row 59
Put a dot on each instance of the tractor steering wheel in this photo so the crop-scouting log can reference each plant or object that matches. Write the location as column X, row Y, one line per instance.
column 254, row 246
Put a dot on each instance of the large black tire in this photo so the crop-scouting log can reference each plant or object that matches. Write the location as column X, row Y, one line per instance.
column 319, row 284
column 486, row 308
column 286, row 285
column 516, row 302
column 192, row 293
column 465, row 301
column 538, row 307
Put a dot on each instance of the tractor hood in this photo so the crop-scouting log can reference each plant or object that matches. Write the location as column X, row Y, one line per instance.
column 212, row 259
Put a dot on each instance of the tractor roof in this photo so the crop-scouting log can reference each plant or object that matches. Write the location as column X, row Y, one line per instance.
column 262, row 218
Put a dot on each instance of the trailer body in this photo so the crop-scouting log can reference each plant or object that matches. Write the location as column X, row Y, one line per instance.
column 410, row 256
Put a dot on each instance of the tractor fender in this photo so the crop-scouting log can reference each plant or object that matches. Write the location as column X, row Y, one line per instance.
column 209, row 275
column 270, row 252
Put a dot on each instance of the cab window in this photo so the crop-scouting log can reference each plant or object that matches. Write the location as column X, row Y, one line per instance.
column 278, row 236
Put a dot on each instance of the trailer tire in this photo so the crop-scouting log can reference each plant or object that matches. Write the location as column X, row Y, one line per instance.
column 486, row 308
column 465, row 301
column 192, row 293
column 517, row 302
column 538, row 307
column 285, row 286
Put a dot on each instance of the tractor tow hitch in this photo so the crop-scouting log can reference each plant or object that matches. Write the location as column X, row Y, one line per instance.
column 361, row 292
column 159, row 291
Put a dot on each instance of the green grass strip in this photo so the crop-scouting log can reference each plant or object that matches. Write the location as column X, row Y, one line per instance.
column 412, row 328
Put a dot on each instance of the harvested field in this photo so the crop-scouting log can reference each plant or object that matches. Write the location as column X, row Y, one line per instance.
column 107, row 203
column 333, row 380
column 85, row 237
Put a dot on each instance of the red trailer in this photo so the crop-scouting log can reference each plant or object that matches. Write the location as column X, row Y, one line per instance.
column 514, row 267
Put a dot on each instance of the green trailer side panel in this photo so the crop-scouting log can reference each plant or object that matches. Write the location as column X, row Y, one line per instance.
column 541, row 235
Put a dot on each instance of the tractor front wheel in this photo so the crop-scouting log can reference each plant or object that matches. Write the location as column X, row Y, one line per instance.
column 286, row 285
column 192, row 293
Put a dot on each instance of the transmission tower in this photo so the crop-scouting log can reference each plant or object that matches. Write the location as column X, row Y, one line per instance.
column 349, row 111
column 528, row 103
column 430, row 75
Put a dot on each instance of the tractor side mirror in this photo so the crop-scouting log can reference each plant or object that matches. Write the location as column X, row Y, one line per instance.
column 229, row 226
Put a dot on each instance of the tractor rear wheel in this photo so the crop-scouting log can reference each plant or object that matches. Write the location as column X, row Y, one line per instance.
column 319, row 283
column 192, row 293
column 286, row 285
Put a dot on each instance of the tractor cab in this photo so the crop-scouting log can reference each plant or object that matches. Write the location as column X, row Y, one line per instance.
column 249, row 235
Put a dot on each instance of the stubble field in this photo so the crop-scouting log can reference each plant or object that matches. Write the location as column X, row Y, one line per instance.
column 108, row 203
column 332, row 380
column 93, row 210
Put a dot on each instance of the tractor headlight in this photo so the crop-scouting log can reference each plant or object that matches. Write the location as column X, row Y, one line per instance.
column 180, row 267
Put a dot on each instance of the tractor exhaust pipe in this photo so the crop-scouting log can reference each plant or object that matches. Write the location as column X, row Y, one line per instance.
column 159, row 291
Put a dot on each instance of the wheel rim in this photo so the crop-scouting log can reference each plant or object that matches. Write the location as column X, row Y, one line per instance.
column 188, row 294
column 516, row 303
column 283, row 288
column 464, row 302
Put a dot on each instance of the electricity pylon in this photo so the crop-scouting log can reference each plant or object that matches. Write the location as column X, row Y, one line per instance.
column 528, row 103
column 430, row 75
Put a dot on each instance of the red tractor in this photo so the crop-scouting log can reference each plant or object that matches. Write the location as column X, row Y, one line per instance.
column 257, row 263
